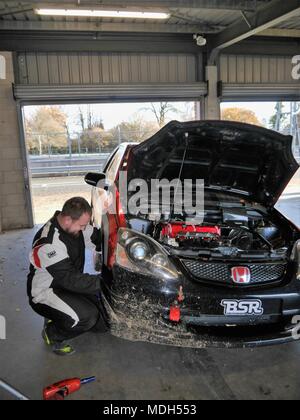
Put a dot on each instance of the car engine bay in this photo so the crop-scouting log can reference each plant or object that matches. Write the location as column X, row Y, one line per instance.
column 229, row 229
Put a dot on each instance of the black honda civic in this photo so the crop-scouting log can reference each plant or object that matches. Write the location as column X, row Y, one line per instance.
column 224, row 275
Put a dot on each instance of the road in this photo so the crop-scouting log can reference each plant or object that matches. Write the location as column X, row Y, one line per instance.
column 56, row 185
column 49, row 194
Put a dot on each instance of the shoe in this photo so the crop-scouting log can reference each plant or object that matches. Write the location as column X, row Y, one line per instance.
column 62, row 349
column 59, row 349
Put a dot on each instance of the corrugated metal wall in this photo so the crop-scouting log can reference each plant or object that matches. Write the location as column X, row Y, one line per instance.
column 244, row 69
column 128, row 76
column 101, row 68
column 110, row 68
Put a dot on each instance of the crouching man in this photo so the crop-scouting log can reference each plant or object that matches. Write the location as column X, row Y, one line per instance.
column 58, row 290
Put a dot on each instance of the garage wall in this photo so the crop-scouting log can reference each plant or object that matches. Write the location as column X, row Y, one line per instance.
column 104, row 68
column 13, row 210
column 108, row 77
column 256, row 69
column 258, row 78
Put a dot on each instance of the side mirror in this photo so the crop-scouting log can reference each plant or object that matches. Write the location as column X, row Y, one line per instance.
column 94, row 178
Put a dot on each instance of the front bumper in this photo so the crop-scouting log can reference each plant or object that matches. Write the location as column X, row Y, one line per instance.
column 139, row 309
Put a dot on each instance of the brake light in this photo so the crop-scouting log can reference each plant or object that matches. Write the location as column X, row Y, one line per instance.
column 116, row 221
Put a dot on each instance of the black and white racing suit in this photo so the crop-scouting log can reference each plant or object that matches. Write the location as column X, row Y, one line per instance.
column 57, row 287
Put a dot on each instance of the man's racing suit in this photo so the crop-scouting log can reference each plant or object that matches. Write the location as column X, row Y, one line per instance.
column 57, row 288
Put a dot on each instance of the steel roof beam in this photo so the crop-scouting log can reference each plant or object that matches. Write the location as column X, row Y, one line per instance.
column 268, row 17
column 109, row 27
column 247, row 5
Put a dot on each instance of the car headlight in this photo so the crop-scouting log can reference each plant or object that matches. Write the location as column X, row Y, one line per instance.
column 296, row 257
column 138, row 251
column 141, row 254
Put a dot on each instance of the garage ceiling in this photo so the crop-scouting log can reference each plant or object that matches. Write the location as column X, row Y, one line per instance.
column 266, row 32
column 186, row 16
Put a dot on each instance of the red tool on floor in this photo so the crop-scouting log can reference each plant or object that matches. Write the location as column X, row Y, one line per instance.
column 63, row 389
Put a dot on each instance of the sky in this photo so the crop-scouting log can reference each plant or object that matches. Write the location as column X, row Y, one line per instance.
column 114, row 114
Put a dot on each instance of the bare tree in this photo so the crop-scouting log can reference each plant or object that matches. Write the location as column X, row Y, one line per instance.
column 87, row 119
column 81, row 118
column 161, row 111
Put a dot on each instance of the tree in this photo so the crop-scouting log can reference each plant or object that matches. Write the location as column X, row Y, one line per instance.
column 92, row 130
column 92, row 140
column 279, row 120
column 109, row 141
column 81, row 118
column 240, row 115
column 136, row 130
column 47, row 129
column 161, row 111
column 87, row 120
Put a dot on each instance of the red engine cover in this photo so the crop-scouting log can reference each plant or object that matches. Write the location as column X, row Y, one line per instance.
column 172, row 230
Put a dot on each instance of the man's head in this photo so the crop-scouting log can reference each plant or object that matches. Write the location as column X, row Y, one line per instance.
column 75, row 216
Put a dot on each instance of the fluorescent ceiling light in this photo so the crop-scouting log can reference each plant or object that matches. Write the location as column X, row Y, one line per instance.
column 102, row 13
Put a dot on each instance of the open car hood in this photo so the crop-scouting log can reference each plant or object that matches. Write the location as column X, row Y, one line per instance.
column 240, row 158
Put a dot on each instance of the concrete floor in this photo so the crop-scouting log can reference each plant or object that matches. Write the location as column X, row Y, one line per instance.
column 128, row 370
